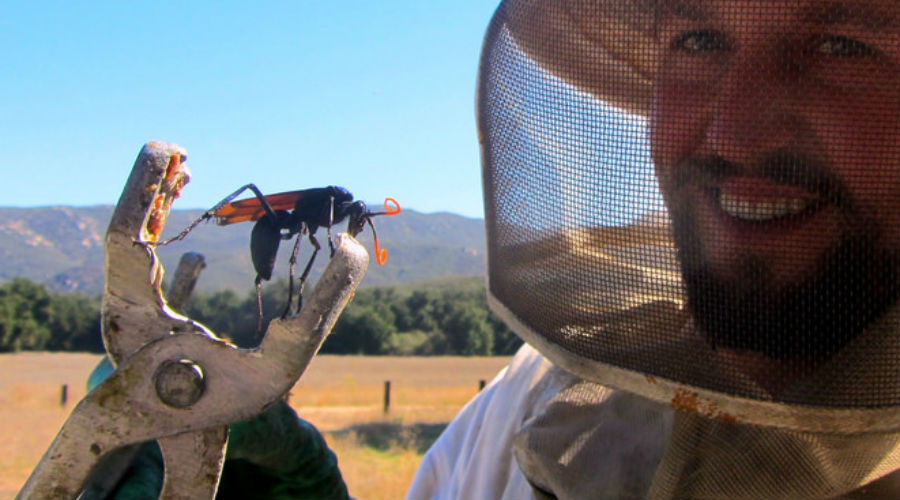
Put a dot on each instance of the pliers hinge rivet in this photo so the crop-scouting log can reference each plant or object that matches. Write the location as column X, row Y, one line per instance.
column 180, row 383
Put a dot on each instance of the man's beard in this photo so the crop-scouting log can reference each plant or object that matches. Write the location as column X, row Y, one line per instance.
column 852, row 285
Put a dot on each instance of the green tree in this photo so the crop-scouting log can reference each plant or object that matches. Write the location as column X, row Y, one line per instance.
column 506, row 343
column 422, row 306
column 361, row 330
column 467, row 329
column 24, row 316
column 74, row 324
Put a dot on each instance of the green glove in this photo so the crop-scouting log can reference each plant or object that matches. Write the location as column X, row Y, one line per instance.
column 273, row 455
column 278, row 455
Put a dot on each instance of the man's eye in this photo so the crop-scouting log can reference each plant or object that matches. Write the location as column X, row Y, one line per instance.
column 842, row 46
column 700, row 41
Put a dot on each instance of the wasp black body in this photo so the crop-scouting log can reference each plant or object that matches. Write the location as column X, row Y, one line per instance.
column 282, row 216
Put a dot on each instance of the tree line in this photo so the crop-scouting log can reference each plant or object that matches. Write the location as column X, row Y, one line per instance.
column 34, row 319
column 440, row 318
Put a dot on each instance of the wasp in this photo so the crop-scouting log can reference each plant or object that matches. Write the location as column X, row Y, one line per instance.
column 283, row 216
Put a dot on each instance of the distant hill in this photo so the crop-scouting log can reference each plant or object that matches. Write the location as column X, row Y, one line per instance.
column 62, row 247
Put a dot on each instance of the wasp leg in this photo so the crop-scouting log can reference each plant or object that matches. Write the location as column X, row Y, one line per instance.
column 330, row 223
column 259, row 308
column 212, row 212
column 316, row 248
column 291, row 267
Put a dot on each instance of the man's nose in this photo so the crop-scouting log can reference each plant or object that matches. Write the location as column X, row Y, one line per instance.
column 754, row 114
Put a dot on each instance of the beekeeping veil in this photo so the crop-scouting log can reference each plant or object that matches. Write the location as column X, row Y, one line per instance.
column 643, row 235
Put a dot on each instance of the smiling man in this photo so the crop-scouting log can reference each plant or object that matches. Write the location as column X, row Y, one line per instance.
column 729, row 332
column 775, row 137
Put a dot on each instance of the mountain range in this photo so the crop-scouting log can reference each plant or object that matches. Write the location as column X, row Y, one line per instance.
column 62, row 247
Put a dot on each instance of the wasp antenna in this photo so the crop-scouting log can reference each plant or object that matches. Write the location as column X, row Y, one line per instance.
column 393, row 208
column 381, row 254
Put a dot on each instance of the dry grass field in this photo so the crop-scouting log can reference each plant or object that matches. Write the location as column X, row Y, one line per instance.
column 342, row 395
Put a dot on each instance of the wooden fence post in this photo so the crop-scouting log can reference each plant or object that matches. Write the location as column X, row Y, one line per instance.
column 64, row 395
column 387, row 396
column 481, row 384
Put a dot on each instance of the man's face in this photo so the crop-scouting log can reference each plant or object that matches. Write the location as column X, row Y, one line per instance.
column 776, row 138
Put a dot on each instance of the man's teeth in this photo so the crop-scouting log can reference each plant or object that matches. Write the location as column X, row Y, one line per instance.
column 762, row 210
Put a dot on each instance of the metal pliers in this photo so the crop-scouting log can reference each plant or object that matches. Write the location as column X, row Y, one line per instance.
column 175, row 380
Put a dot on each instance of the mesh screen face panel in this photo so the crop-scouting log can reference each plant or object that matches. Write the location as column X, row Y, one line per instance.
column 700, row 201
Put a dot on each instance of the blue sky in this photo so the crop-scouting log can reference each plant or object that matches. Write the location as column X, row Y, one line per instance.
column 375, row 96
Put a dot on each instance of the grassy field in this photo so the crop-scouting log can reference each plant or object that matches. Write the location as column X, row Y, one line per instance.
column 342, row 395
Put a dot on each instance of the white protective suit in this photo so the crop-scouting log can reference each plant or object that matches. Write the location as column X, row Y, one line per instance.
column 596, row 442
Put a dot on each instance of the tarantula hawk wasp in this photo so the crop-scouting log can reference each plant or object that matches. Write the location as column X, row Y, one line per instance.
column 282, row 216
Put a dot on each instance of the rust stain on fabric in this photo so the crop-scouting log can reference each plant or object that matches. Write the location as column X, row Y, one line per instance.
column 690, row 401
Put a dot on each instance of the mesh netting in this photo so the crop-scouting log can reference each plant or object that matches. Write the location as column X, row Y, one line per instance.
column 734, row 238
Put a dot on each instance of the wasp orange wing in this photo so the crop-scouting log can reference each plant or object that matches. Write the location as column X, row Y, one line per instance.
column 250, row 209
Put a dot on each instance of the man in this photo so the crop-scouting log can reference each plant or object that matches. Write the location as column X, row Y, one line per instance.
column 756, row 353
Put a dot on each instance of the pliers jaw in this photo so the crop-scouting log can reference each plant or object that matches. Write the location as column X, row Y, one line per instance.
column 133, row 307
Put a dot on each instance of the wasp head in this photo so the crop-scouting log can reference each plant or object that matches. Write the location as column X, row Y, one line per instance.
column 359, row 214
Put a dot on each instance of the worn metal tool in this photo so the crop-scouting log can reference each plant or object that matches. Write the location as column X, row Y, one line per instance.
column 175, row 380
